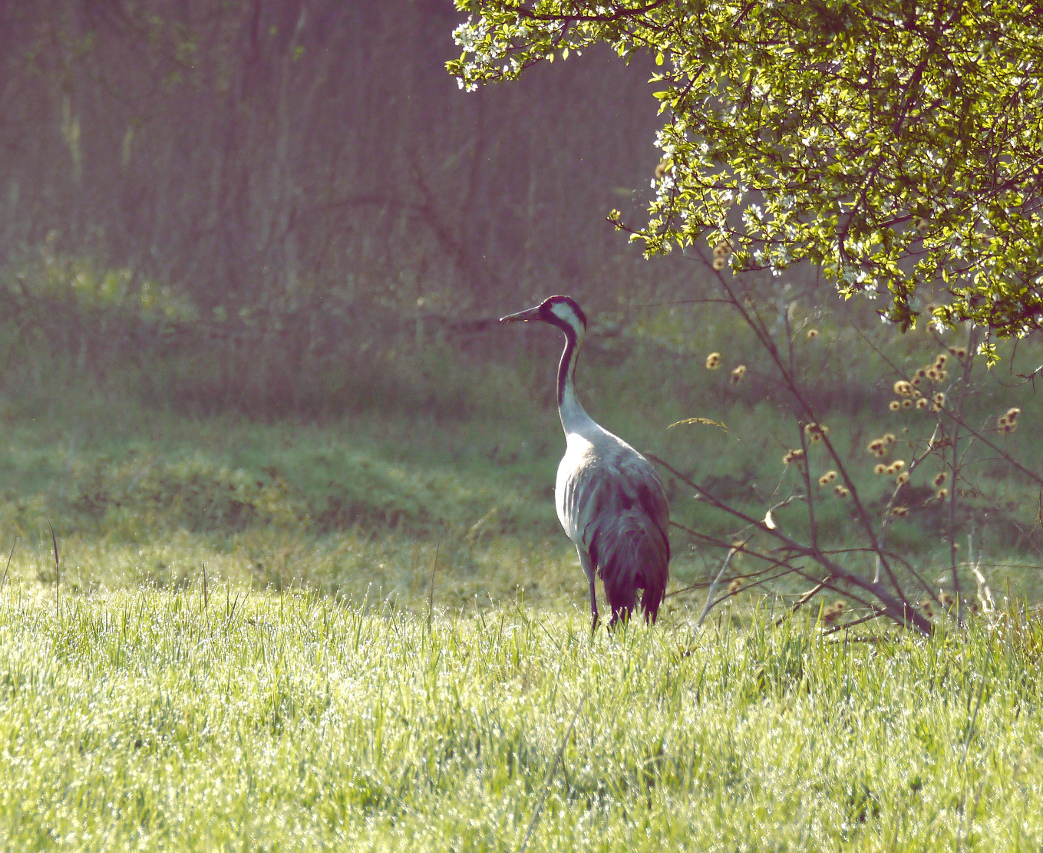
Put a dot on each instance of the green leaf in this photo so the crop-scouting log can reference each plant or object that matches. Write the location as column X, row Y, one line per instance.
column 848, row 140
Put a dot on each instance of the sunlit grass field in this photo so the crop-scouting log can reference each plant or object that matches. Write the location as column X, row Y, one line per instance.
column 366, row 631
column 230, row 719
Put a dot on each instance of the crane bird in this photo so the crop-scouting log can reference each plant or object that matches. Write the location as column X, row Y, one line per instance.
column 609, row 498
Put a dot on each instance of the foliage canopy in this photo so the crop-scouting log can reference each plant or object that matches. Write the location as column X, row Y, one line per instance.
column 897, row 144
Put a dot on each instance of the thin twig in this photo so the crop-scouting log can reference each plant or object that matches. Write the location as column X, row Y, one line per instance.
column 772, row 563
column 876, row 614
column 895, row 605
column 57, row 571
column 804, row 599
column 764, row 338
column 988, row 605
column 713, row 586
column 431, row 588
column 3, row 581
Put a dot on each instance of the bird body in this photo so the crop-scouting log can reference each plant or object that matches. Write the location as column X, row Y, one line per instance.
column 609, row 499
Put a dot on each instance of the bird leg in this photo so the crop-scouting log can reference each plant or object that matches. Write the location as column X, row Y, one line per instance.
column 588, row 570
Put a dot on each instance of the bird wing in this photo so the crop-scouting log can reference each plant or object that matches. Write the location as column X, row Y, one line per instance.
column 606, row 485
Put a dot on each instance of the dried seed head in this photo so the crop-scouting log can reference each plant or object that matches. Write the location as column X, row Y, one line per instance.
column 889, row 438
column 718, row 263
column 738, row 373
column 879, row 446
column 899, row 511
column 921, row 403
column 880, row 468
column 833, row 613
column 939, row 398
column 903, row 388
column 793, row 456
column 907, row 403
column 894, row 405
column 940, row 360
column 812, row 333
column 734, row 586
column 827, row 478
column 713, row 361
column 842, row 491
column 1008, row 422
column 902, row 478
column 939, row 479
column 661, row 168
column 941, row 494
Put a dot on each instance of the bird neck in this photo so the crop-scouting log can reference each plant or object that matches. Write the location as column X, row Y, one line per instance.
column 573, row 416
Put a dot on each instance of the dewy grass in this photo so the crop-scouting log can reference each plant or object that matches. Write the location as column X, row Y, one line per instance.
column 335, row 688
column 143, row 719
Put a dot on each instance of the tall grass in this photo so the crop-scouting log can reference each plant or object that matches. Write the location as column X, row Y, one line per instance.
column 154, row 720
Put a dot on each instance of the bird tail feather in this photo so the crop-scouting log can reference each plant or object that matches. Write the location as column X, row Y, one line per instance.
column 634, row 555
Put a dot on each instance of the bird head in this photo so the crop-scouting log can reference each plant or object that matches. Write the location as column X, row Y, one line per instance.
column 560, row 311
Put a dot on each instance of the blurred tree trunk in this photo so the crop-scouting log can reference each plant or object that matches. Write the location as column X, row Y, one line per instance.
column 284, row 153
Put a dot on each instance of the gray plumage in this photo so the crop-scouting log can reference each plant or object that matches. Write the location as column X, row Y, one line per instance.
column 609, row 498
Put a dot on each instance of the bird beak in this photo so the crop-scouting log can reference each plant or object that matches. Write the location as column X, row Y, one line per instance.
column 522, row 316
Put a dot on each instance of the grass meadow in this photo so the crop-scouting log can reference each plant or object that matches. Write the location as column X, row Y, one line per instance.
column 366, row 631
column 169, row 720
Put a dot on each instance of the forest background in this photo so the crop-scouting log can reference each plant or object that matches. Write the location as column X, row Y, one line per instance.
column 287, row 220
column 315, row 159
